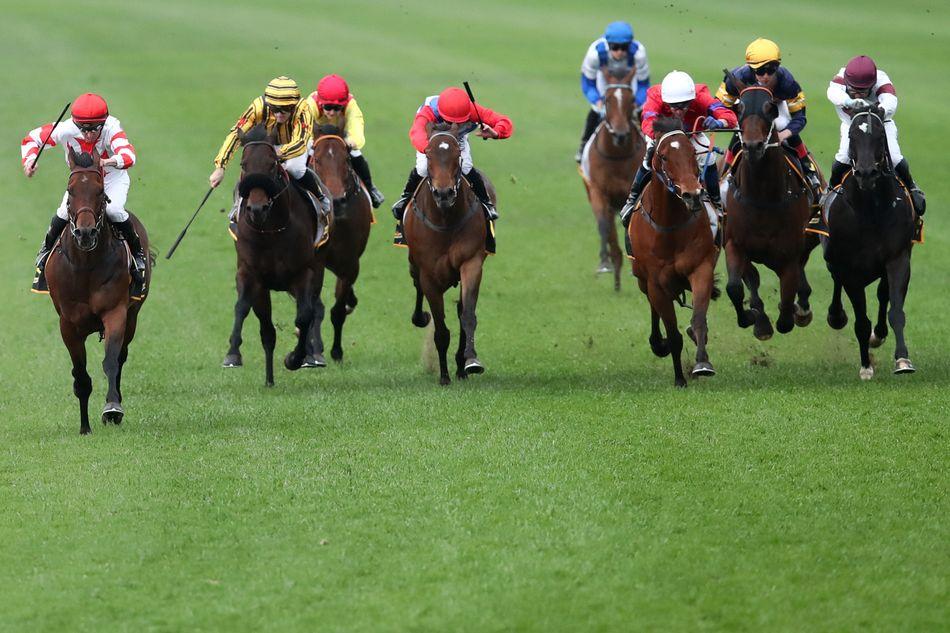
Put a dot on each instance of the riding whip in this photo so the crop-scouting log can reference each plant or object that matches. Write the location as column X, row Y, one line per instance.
column 181, row 236
column 471, row 97
column 46, row 140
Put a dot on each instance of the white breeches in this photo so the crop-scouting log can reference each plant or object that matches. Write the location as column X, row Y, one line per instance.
column 784, row 116
column 701, row 144
column 296, row 167
column 422, row 163
column 890, row 131
column 116, row 184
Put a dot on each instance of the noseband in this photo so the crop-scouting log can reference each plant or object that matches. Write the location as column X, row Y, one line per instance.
column 458, row 176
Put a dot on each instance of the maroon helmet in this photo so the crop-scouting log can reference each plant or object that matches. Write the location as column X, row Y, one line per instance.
column 861, row 73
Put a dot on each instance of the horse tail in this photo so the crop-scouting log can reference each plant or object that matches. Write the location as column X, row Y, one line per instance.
column 716, row 290
column 152, row 257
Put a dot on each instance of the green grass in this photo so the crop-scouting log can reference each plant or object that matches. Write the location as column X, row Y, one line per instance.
column 570, row 487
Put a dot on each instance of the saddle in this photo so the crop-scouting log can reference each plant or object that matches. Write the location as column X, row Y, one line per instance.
column 832, row 194
column 324, row 219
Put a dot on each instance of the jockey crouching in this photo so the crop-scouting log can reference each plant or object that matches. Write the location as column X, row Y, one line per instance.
column 90, row 128
column 333, row 104
column 452, row 105
column 858, row 85
column 764, row 68
column 615, row 53
column 679, row 97
column 290, row 119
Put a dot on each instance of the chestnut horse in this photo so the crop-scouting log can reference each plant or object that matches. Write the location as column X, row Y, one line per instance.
column 613, row 157
column 276, row 227
column 352, row 218
column 871, row 221
column 673, row 247
column 767, row 206
column 89, row 283
column 445, row 229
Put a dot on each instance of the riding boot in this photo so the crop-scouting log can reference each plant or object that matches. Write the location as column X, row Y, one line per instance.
column 639, row 182
column 838, row 170
column 361, row 167
column 916, row 195
column 811, row 176
column 311, row 182
column 56, row 227
column 135, row 245
column 399, row 239
column 481, row 191
column 590, row 124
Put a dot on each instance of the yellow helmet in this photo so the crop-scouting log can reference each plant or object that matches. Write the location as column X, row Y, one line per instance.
column 281, row 92
column 761, row 52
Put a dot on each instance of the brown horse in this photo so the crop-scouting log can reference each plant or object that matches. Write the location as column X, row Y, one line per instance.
column 614, row 155
column 89, row 283
column 352, row 218
column 445, row 229
column 673, row 247
column 275, row 232
column 768, row 205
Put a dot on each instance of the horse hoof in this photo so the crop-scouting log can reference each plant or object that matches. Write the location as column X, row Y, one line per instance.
column 904, row 366
column 785, row 325
column 112, row 413
column 268, row 383
column 763, row 331
column 704, row 368
column 421, row 319
column 337, row 355
column 875, row 342
column 293, row 362
column 866, row 373
column 349, row 309
column 232, row 360
column 313, row 361
column 837, row 321
column 445, row 380
column 474, row 366
column 749, row 317
column 802, row 317
column 85, row 430
column 660, row 348
column 679, row 383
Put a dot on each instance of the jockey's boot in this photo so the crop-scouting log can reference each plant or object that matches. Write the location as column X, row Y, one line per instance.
column 639, row 182
column 135, row 245
column 361, row 167
column 56, row 227
column 916, row 195
column 481, row 191
column 838, row 170
column 399, row 239
column 811, row 176
column 593, row 119
column 311, row 182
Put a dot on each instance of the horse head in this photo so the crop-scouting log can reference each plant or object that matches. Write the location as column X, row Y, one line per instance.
column 868, row 146
column 86, row 199
column 444, row 155
column 619, row 106
column 331, row 161
column 261, row 173
column 674, row 162
column 757, row 112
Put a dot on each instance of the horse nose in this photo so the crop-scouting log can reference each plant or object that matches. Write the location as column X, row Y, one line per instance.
column 443, row 193
column 621, row 137
column 755, row 147
column 692, row 198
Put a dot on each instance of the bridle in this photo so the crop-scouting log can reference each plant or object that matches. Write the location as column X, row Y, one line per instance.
column 349, row 191
column 74, row 216
column 884, row 164
column 458, row 175
column 259, row 178
column 671, row 186
column 768, row 145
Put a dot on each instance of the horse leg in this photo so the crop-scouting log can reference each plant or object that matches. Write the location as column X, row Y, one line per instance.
column 701, row 282
column 314, row 356
column 788, row 287
column 241, row 309
column 82, row 383
column 471, row 276
column 344, row 290
column 762, row 329
column 837, row 317
column 441, row 335
column 114, row 325
column 658, row 344
column 604, row 219
column 736, row 264
column 419, row 317
column 131, row 322
column 302, row 291
column 260, row 302
column 664, row 306
column 880, row 328
column 862, row 327
column 803, row 314
column 898, row 278
column 460, row 352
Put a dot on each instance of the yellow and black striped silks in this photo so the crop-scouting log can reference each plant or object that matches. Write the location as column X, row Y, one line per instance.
column 292, row 136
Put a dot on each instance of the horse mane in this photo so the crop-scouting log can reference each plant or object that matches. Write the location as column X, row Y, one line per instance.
column 665, row 125
column 256, row 134
column 83, row 160
column 444, row 126
column 330, row 130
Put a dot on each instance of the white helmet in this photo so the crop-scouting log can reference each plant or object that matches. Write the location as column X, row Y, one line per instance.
column 677, row 87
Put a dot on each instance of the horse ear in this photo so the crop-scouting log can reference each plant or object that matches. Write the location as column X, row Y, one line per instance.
column 728, row 76
column 429, row 128
column 629, row 76
column 454, row 130
column 70, row 156
column 95, row 157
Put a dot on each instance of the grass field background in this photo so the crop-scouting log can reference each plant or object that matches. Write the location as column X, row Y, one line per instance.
column 570, row 487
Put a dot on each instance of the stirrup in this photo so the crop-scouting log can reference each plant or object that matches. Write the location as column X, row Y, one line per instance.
column 376, row 197
column 626, row 212
column 490, row 212
column 400, row 207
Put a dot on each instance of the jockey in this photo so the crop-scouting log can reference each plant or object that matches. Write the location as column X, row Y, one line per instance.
column 452, row 105
column 282, row 112
column 90, row 128
column 678, row 96
column 763, row 68
column 333, row 104
column 615, row 53
column 858, row 85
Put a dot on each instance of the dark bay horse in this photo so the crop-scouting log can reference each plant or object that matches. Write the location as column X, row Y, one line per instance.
column 274, row 242
column 767, row 205
column 352, row 218
column 615, row 153
column 673, row 247
column 871, row 229
column 445, row 229
column 89, row 283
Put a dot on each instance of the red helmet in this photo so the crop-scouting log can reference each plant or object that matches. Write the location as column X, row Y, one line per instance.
column 90, row 108
column 861, row 73
column 454, row 105
column 333, row 89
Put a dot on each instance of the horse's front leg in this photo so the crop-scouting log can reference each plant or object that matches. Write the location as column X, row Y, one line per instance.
column 788, row 278
column 441, row 335
column 241, row 309
column 837, row 317
column 314, row 357
column 419, row 317
column 701, row 281
column 471, row 277
column 803, row 314
column 302, row 290
column 880, row 328
column 762, row 329
column 898, row 278
column 736, row 262
column 600, row 206
column 82, row 383
column 113, row 323
column 862, row 327
column 260, row 303
column 663, row 304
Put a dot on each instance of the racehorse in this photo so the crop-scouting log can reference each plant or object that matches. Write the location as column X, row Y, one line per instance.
column 445, row 229
column 767, row 205
column 89, row 283
column 615, row 152
column 673, row 247
column 274, row 241
column 871, row 228
column 352, row 217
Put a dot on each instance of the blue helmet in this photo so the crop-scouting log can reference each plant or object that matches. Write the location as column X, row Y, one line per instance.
column 618, row 33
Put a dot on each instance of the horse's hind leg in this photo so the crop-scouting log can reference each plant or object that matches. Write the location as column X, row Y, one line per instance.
column 241, row 309
column 862, row 327
column 880, row 328
column 302, row 290
column 340, row 309
column 604, row 222
column 837, row 317
column 701, row 281
column 314, row 357
column 130, row 325
column 82, row 383
column 260, row 302
column 898, row 277
column 788, row 287
column 616, row 256
column 803, row 313
column 460, row 352
column 114, row 325
column 471, row 274
column 762, row 329
column 736, row 263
